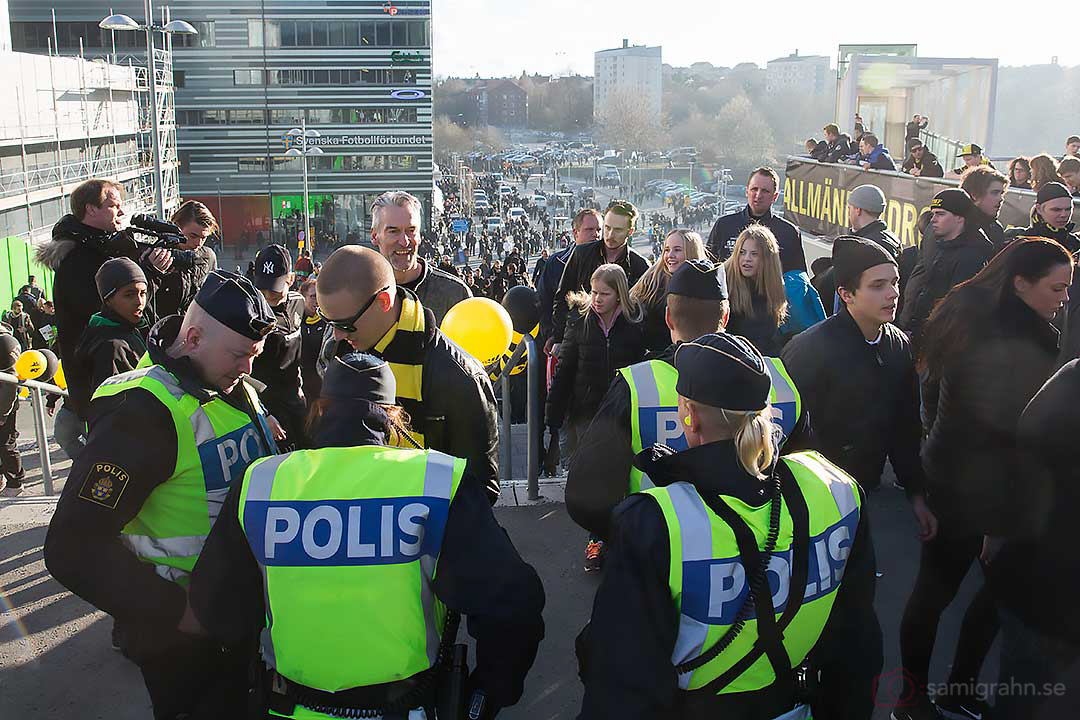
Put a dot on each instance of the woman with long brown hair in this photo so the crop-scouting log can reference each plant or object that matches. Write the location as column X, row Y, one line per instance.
column 755, row 281
column 1020, row 173
column 1044, row 169
column 986, row 349
column 680, row 245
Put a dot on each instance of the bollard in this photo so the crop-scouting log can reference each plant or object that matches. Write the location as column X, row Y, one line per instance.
column 505, row 431
column 42, row 437
column 534, row 421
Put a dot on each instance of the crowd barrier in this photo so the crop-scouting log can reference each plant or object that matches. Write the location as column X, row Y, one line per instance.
column 532, row 410
column 815, row 198
column 41, row 434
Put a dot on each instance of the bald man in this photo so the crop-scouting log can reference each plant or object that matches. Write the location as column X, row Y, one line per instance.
column 166, row 442
column 445, row 391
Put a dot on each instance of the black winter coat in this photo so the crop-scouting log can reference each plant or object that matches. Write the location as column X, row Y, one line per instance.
column 577, row 275
column 109, row 346
column 991, row 228
column 588, row 361
column 1067, row 236
column 312, row 332
column 760, row 328
column 725, row 231
column 657, row 333
column 971, row 456
column 941, row 267
column 439, row 290
column 879, row 233
column 177, row 289
column 863, row 398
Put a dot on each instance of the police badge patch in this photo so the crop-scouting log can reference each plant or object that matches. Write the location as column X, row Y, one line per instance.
column 104, row 484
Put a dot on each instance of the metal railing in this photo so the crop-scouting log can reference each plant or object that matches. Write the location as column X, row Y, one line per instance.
column 40, row 432
column 946, row 149
column 532, row 409
column 47, row 176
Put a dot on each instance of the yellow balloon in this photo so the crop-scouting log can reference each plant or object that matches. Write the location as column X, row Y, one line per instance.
column 24, row 392
column 31, row 364
column 58, row 379
column 482, row 328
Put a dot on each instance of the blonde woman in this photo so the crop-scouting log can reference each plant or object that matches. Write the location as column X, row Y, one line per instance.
column 603, row 334
column 756, row 289
column 680, row 245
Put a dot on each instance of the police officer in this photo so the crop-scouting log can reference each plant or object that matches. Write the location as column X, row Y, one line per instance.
column 331, row 555
column 640, row 407
column 166, row 442
column 278, row 366
column 726, row 517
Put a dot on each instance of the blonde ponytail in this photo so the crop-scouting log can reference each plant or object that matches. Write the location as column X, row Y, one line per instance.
column 753, row 439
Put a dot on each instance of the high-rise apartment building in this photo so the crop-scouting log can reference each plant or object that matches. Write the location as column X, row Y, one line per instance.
column 631, row 69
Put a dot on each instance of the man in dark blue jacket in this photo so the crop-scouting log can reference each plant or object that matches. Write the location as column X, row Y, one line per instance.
column 762, row 189
column 586, row 227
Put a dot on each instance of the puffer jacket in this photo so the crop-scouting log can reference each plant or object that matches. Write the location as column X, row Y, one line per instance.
column 588, row 361
column 438, row 290
column 109, row 346
column 971, row 456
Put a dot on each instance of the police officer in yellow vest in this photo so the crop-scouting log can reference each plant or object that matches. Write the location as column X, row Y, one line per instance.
column 747, row 580
column 166, row 442
column 347, row 561
column 640, row 410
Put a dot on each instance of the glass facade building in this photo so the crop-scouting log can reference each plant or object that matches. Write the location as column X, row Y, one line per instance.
column 358, row 73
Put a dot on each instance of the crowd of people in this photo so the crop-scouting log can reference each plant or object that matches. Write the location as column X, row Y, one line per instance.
column 311, row 447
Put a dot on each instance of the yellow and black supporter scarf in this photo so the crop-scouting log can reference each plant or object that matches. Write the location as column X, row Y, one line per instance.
column 403, row 349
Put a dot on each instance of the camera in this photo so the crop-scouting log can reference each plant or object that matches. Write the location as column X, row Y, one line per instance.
column 166, row 236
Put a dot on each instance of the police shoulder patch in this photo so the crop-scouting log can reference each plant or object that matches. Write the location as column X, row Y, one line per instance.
column 104, row 484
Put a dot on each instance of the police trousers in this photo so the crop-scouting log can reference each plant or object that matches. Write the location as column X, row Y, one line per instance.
column 197, row 680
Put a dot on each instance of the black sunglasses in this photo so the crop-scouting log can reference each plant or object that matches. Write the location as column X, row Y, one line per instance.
column 348, row 325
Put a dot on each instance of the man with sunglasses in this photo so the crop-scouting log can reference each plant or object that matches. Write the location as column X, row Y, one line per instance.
column 166, row 441
column 446, row 393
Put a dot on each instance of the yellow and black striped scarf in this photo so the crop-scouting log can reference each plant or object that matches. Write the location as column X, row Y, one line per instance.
column 403, row 349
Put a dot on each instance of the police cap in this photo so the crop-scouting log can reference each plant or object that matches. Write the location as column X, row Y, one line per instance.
column 360, row 376
column 698, row 279
column 724, row 371
column 234, row 302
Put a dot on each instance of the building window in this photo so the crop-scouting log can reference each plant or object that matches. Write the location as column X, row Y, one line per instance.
column 255, row 33
column 365, row 76
column 252, row 164
column 338, row 33
column 179, row 78
column 205, row 38
column 247, row 77
column 247, row 117
column 286, row 116
column 200, row 117
column 184, row 158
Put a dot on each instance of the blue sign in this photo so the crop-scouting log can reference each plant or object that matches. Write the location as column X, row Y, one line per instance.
column 460, row 225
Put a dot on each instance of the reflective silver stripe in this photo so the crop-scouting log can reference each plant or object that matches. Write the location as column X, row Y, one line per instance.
column 646, row 481
column 214, row 500
column 800, row 712
column 438, row 475
column 648, row 393
column 842, row 488
column 165, row 378
column 202, row 427
column 261, row 478
column 782, row 390
column 125, row 377
column 695, row 531
column 170, row 573
column 173, row 547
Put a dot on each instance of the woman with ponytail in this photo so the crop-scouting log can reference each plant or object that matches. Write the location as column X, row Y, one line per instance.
column 727, row 527
column 680, row 245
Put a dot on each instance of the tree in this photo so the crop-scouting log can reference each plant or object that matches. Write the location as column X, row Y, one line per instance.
column 628, row 122
column 447, row 137
column 743, row 137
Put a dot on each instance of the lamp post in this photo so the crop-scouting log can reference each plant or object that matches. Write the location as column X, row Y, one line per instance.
column 303, row 134
column 174, row 27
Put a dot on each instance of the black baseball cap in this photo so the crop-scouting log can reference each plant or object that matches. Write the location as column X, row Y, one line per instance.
column 272, row 266
column 699, row 279
column 724, row 371
column 234, row 302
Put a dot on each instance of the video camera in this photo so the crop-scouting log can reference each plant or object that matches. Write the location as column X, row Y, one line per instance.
column 167, row 236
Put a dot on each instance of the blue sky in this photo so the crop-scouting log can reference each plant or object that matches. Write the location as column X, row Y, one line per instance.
column 504, row 37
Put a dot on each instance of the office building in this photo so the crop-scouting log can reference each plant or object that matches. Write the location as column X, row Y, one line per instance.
column 501, row 103
column 807, row 74
column 359, row 74
column 634, row 70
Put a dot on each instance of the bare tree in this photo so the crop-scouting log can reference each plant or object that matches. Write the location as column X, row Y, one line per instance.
column 448, row 137
column 628, row 122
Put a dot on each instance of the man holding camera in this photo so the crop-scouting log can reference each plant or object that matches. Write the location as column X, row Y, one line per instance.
column 81, row 243
column 178, row 288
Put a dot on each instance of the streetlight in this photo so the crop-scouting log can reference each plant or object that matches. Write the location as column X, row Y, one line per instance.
column 174, row 27
column 302, row 134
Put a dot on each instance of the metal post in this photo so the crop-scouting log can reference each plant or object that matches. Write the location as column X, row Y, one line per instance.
column 159, row 189
column 532, row 408
column 508, row 456
column 303, row 158
column 42, row 439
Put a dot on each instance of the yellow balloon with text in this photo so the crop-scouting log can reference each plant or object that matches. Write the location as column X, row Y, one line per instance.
column 481, row 327
column 31, row 364
column 58, row 379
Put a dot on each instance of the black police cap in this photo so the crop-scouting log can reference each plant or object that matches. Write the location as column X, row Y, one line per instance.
column 699, row 279
column 360, row 376
column 724, row 371
column 234, row 302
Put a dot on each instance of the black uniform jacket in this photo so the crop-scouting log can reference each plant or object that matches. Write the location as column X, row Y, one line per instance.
column 130, row 451
column 599, row 475
column 635, row 623
column 863, row 398
column 278, row 365
column 480, row 575
column 726, row 231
